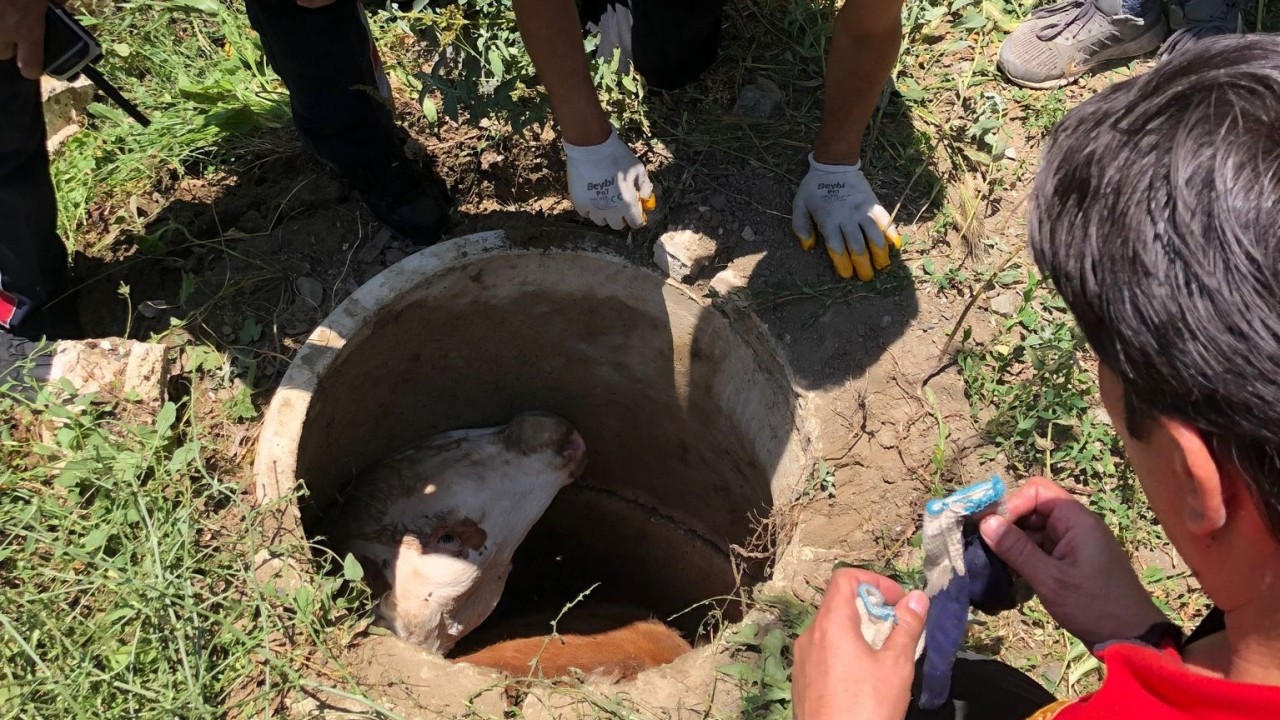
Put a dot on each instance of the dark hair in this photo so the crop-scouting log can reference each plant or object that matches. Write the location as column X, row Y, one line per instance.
column 1156, row 213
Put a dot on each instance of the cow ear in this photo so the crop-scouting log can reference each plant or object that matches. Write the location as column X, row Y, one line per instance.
column 535, row 432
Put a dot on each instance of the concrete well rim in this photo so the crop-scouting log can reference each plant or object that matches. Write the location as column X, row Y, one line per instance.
column 275, row 465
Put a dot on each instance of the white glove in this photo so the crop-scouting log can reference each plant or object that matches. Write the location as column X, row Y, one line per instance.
column 608, row 183
column 841, row 202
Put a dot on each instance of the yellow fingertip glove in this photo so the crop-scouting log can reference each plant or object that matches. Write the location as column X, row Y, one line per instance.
column 840, row 261
column 807, row 243
column 879, row 256
column 892, row 235
column 862, row 263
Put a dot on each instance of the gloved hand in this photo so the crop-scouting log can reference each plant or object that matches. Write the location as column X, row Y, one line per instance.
column 608, row 183
column 841, row 202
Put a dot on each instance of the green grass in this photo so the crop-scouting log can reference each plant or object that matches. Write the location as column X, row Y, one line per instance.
column 196, row 70
column 126, row 585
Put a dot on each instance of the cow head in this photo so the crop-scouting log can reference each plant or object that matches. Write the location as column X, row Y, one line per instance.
column 435, row 525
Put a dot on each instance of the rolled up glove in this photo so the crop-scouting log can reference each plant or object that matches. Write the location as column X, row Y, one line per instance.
column 878, row 617
column 960, row 571
column 839, row 201
column 608, row 183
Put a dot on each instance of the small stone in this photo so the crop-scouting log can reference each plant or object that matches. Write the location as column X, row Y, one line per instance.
column 298, row 321
column 719, row 201
column 375, row 246
column 395, row 255
column 64, row 105
column 760, row 100
column 252, row 223
column 224, row 330
column 726, row 281
column 682, row 254
column 748, row 234
column 1006, row 305
column 1010, row 154
column 311, row 290
column 887, row 437
column 886, row 321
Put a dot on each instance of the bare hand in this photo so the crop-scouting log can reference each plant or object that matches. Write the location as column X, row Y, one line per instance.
column 1073, row 562
column 837, row 675
column 22, row 35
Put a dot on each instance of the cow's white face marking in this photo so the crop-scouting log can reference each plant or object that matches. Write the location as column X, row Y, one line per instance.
column 435, row 525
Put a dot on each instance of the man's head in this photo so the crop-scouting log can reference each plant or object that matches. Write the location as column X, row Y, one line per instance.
column 1157, row 216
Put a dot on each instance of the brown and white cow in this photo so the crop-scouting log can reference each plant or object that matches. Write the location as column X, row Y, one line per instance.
column 435, row 526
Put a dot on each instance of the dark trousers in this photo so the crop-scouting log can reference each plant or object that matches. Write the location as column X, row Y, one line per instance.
column 672, row 41
column 33, row 261
column 983, row 689
column 339, row 95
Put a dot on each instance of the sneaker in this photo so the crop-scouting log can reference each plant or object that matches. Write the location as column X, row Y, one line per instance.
column 25, row 364
column 1192, row 20
column 1059, row 43
column 415, row 207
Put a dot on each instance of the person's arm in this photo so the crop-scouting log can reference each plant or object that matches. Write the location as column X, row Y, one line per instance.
column 607, row 183
column 864, row 48
column 553, row 37
column 835, row 200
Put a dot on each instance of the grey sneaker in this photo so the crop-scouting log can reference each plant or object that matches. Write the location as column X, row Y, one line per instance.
column 1191, row 20
column 1059, row 43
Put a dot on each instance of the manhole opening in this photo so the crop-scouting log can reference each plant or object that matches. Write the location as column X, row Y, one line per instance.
column 689, row 424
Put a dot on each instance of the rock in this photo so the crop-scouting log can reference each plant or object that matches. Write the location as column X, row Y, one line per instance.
column 1006, row 305
column 718, row 201
column 748, row 234
column 375, row 246
column 310, row 290
column 682, row 254
column 64, row 105
column 395, row 255
column 760, row 100
column 252, row 223
column 726, row 281
column 299, row 319
column 886, row 321
column 113, row 366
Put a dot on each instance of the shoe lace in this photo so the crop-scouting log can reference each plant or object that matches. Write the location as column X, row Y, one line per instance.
column 1205, row 18
column 1068, row 14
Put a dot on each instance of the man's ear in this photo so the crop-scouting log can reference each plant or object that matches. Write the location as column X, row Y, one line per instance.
column 1206, row 509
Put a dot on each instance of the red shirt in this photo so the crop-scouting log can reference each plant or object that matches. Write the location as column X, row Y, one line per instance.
column 1145, row 683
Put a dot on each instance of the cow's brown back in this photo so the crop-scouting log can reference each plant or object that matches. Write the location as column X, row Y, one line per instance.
column 621, row 653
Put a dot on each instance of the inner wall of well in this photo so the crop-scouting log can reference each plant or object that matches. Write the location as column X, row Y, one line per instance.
column 685, row 422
